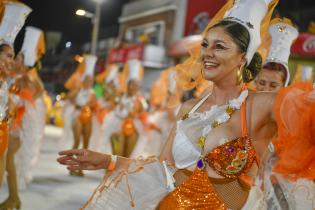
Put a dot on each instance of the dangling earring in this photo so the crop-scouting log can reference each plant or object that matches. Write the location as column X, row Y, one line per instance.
column 202, row 72
column 239, row 76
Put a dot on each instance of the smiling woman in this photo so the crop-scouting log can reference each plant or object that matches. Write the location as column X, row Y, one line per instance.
column 212, row 155
column 219, row 53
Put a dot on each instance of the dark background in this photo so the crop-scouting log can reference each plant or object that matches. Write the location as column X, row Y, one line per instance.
column 59, row 15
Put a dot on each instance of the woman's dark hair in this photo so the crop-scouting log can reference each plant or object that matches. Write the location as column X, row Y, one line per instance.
column 241, row 37
column 3, row 46
column 272, row 66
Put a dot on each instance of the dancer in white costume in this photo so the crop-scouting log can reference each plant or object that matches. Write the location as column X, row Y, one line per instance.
column 131, row 110
column 162, row 113
column 84, row 101
column 4, row 117
column 73, row 85
column 13, row 19
column 216, row 144
column 281, row 193
column 109, row 122
column 33, row 124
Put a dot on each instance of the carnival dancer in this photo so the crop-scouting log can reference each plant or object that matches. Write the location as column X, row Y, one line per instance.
column 217, row 142
column 275, row 73
column 84, row 101
column 281, row 193
column 5, row 106
column 14, row 15
column 165, row 97
column 132, row 104
column 33, row 123
column 107, row 120
column 72, row 84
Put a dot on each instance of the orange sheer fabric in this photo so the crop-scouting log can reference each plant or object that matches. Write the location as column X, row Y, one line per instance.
column 295, row 143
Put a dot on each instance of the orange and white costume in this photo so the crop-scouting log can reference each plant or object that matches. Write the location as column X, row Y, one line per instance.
column 100, row 140
column 34, row 120
column 79, row 107
column 13, row 17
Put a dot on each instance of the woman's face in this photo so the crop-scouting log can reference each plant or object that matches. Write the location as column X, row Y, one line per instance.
column 269, row 80
column 7, row 59
column 220, row 56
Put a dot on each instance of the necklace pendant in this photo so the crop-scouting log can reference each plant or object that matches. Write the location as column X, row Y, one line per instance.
column 229, row 110
column 201, row 164
column 215, row 124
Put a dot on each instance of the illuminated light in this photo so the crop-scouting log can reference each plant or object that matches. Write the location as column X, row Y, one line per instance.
column 80, row 12
column 68, row 44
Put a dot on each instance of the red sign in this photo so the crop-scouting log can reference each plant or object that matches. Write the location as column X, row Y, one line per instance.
column 304, row 45
column 121, row 55
column 199, row 13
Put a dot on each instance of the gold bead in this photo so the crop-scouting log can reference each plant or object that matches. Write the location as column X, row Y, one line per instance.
column 201, row 141
column 229, row 110
column 185, row 116
column 215, row 124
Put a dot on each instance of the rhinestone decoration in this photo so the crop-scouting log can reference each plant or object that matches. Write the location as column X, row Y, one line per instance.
column 215, row 124
column 281, row 28
column 196, row 192
column 201, row 141
column 232, row 158
column 185, row 116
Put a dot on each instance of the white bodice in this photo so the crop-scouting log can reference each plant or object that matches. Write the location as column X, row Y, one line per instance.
column 185, row 149
column 83, row 97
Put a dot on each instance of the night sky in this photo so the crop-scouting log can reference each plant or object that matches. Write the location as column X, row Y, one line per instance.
column 59, row 15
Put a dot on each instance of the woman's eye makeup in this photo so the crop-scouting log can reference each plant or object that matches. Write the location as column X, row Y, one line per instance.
column 220, row 47
column 204, row 44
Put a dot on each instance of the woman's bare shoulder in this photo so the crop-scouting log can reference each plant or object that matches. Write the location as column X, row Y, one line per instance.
column 188, row 105
column 262, row 101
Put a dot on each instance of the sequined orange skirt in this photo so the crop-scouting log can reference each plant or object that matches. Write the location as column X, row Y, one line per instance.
column 195, row 193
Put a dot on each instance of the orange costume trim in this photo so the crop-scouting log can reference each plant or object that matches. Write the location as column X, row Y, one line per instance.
column 295, row 143
column 26, row 95
column 4, row 137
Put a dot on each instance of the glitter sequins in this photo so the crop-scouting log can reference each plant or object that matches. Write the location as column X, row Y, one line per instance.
column 232, row 158
column 195, row 193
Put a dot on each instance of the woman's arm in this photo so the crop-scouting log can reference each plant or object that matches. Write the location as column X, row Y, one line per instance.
column 88, row 160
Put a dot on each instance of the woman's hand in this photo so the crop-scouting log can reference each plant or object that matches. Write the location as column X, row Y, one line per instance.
column 83, row 159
